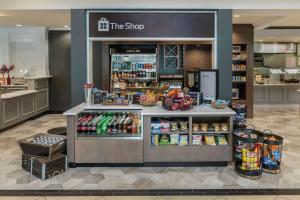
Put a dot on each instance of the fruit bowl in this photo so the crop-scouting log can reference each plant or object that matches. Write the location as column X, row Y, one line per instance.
column 148, row 99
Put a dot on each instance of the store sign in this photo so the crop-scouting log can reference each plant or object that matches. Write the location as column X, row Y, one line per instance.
column 151, row 25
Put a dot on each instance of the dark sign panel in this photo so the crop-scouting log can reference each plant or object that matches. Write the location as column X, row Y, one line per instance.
column 151, row 25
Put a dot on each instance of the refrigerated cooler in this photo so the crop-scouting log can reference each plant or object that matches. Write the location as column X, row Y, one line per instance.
column 133, row 67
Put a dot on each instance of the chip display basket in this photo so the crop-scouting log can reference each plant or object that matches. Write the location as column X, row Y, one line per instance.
column 248, row 151
column 272, row 152
column 240, row 118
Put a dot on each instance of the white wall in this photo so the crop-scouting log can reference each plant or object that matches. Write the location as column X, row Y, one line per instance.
column 26, row 48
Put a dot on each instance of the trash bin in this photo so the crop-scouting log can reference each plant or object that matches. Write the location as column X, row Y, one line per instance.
column 272, row 152
column 58, row 131
column 248, row 151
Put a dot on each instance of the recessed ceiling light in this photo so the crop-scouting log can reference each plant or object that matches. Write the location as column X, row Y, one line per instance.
column 236, row 15
column 19, row 25
column 66, row 26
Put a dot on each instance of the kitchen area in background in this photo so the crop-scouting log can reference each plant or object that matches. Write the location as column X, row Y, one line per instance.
column 27, row 65
column 276, row 73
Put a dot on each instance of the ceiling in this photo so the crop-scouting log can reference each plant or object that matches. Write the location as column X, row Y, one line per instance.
column 287, row 20
column 54, row 19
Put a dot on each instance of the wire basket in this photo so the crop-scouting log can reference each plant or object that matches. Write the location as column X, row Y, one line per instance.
column 248, row 151
column 272, row 152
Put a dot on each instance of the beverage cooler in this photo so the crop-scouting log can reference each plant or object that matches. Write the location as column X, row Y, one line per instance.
column 133, row 67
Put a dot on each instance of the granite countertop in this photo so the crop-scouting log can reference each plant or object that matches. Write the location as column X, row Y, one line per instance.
column 17, row 94
column 205, row 110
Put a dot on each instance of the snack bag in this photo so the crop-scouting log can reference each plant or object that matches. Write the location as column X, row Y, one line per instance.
column 183, row 140
column 174, row 139
column 222, row 140
column 210, row 140
column 197, row 139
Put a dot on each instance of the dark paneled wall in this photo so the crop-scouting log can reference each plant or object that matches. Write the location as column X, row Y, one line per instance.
column 59, row 68
column 244, row 34
column 78, row 56
column 224, row 53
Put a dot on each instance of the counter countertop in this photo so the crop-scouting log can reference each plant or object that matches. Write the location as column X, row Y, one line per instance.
column 12, row 86
column 37, row 77
column 277, row 84
column 154, row 110
column 17, row 94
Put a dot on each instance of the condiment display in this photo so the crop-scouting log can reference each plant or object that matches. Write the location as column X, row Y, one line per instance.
column 176, row 99
column 108, row 124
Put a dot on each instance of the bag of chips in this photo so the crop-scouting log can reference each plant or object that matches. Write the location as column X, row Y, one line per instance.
column 183, row 140
column 174, row 139
column 210, row 140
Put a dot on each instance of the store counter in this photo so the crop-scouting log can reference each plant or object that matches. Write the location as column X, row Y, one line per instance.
column 277, row 93
column 95, row 142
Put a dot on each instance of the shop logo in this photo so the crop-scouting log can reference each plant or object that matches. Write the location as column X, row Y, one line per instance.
column 103, row 24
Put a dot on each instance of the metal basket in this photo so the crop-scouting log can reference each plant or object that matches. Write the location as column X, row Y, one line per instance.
column 272, row 152
column 248, row 151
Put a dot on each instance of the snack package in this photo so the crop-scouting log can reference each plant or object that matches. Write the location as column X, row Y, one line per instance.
column 210, row 140
column 174, row 126
column 197, row 139
column 155, row 126
column 165, row 126
column 183, row 125
column 174, row 139
column 221, row 139
column 164, row 140
column 183, row 140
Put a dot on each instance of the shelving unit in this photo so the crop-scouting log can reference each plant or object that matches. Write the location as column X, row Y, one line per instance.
column 239, row 70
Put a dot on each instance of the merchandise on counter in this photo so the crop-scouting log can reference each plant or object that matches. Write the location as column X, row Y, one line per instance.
column 115, row 100
column 209, row 140
column 155, row 126
column 164, row 126
column 219, row 104
column 148, row 99
column 197, row 140
column 175, row 99
column 183, row 140
column 174, row 139
column 221, row 140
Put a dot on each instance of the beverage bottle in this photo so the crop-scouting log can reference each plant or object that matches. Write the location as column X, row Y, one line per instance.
column 133, row 128
column 129, row 125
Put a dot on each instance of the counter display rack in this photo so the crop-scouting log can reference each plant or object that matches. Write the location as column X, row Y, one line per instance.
column 165, row 141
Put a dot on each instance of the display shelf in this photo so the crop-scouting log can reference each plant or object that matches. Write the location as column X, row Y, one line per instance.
column 141, row 78
column 109, row 135
column 211, row 132
column 240, row 59
column 171, row 132
column 239, row 70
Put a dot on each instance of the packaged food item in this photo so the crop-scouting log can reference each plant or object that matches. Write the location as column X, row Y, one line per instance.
column 195, row 127
column 155, row 140
column 224, row 126
column 174, row 139
column 221, row 140
column 197, row 139
column 204, row 127
column 183, row 125
column 217, row 127
column 183, row 140
column 155, row 126
column 250, row 159
column 174, row 126
column 164, row 140
column 210, row 140
column 164, row 126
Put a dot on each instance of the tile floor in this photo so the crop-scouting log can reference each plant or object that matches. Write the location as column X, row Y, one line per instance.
column 159, row 198
column 283, row 120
